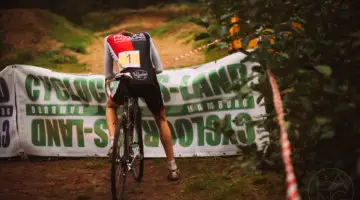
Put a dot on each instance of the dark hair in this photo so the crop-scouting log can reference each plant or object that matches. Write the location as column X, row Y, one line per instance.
column 126, row 33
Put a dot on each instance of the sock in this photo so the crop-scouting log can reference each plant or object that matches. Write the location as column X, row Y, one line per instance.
column 111, row 140
column 172, row 165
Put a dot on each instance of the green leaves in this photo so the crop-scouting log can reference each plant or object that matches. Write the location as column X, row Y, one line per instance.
column 226, row 16
column 223, row 30
column 321, row 120
column 200, row 22
column 324, row 69
column 245, row 42
column 327, row 135
column 201, row 36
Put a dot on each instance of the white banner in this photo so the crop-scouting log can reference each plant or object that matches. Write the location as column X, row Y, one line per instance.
column 64, row 115
column 9, row 140
column 197, row 97
column 61, row 114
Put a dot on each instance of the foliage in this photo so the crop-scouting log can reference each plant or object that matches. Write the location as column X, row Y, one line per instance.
column 316, row 67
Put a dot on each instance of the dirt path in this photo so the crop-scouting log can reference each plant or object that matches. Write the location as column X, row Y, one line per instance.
column 86, row 179
column 169, row 46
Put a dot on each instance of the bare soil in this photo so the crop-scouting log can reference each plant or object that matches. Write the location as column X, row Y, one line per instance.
column 88, row 179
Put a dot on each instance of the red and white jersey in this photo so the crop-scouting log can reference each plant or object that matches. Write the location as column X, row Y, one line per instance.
column 134, row 53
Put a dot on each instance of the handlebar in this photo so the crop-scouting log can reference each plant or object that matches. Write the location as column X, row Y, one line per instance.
column 118, row 77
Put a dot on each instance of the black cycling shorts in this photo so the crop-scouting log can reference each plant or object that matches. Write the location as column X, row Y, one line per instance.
column 151, row 93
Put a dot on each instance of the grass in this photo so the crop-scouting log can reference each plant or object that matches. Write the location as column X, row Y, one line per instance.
column 73, row 37
column 100, row 21
column 53, row 60
column 215, row 54
column 59, row 29
column 172, row 24
column 20, row 58
column 206, row 179
column 5, row 48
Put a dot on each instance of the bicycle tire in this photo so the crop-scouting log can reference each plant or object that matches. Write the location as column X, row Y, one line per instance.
column 117, row 194
column 138, row 171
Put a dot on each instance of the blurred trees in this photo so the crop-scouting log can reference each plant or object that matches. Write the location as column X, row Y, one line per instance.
column 313, row 49
column 75, row 9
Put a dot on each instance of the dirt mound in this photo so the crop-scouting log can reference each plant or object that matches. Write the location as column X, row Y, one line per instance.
column 28, row 33
column 41, row 38
column 27, row 29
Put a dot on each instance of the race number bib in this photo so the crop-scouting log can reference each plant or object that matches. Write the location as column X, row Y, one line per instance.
column 129, row 59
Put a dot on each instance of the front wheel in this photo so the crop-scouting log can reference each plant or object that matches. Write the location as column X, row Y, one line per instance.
column 118, row 166
column 137, row 146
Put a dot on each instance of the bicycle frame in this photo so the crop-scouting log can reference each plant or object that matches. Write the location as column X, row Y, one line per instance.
column 131, row 119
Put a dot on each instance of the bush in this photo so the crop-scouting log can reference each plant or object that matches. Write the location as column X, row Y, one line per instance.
column 316, row 66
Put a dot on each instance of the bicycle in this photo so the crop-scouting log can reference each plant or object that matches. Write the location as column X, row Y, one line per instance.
column 127, row 147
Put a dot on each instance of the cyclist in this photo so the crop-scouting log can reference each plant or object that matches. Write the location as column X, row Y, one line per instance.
column 137, row 55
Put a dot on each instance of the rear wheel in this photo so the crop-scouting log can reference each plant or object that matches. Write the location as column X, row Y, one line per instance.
column 118, row 165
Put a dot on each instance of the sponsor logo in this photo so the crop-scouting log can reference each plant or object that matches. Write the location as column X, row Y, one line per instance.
column 138, row 37
column 5, row 111
column 140, row 74
column 119, row 38
column 4, row 91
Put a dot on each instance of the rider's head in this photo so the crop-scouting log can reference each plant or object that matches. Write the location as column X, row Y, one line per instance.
column 126, row 33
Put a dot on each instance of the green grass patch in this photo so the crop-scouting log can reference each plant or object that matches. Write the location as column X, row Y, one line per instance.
column 215, row 54
column 57, row 28
column 5, row 48
column 21, row 57
column 100, row 21
column 53, row 60
column 207, row 178
column 171, row 25
column 72, row 36
column 213, row 185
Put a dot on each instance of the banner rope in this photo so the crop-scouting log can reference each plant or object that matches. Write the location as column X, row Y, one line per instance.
column 192, row 52
column 292, row 188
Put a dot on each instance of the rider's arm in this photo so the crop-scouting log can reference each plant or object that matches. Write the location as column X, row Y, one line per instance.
column 155, row 58
column 108, row 61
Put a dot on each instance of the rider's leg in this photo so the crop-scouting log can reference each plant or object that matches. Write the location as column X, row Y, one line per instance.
column 166, row 140
column 111, row 118
column 165, row 134
column 111, row 107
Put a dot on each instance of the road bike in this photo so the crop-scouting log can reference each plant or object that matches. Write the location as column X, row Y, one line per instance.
column 128, row 148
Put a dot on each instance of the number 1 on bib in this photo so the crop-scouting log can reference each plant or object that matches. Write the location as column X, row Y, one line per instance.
column 129, row 59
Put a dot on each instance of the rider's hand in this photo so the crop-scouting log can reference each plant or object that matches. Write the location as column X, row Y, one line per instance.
column 107, row 81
